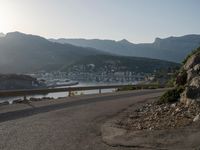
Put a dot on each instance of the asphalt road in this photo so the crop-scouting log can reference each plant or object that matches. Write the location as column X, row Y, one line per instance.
column 72, row 123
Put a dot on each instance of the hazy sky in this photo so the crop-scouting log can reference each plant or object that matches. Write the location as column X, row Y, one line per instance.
column 135, row 20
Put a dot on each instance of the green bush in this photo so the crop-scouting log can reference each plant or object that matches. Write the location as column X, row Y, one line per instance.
column 127, row 88
column 170, row 82
column 137, row 87
column 171, row 95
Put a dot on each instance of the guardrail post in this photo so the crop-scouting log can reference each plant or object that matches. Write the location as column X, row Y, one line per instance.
column 25, row 98
column 99, row 91
column 70, row 93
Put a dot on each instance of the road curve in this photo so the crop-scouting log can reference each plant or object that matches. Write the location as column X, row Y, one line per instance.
column 71, row 123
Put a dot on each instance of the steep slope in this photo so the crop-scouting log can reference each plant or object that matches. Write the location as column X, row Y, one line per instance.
column 171, row 49
column 102, row 63
column 189, row 79
column 27, row 53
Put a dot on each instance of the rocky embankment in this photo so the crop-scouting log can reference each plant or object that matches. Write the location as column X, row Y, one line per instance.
column 158, row 117
column 176, row 108
column 190, row 75
column 172, row 121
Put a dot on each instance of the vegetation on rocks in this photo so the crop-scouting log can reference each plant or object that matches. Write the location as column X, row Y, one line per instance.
column 178, row 107
column 137, row 87
column 187, row 85
column 171, row 95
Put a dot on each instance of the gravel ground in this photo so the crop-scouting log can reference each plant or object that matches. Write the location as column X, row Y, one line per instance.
column 152, row 116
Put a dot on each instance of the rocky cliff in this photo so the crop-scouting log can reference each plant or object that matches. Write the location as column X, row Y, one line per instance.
column 189, row 79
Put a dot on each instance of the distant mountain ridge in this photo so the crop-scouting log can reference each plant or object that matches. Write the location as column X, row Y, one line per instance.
column 21, row 53
column 26, row 53
column 172, row 49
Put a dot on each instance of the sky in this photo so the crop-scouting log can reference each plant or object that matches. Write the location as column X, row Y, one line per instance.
column 138, row 21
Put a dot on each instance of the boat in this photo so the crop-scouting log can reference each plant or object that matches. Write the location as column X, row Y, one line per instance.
column 62, row 84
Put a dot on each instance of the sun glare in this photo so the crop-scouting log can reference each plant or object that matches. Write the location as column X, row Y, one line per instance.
column 7, row 17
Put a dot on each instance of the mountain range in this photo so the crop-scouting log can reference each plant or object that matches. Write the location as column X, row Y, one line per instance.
column 26, row 53
column 172, row 48
column 21, row 53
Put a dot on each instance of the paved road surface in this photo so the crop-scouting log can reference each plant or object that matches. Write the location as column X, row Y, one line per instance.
column 65, row 124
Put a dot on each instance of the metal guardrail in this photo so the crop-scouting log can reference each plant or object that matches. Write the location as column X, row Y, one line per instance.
column 28, row 92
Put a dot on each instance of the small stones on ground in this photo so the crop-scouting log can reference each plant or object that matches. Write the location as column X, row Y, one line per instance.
column 173, row 105
column 157, row 117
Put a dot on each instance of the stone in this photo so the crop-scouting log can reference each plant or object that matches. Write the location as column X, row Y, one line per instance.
column 192, row 92
column 196, row 118
column 173, row 105
column 192, row 61
column 191, row 73
column 177, row 109
column 190, row 95
column 195, row 82
column 197, row 68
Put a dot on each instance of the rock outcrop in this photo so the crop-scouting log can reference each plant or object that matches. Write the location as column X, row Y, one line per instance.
column 189, row 77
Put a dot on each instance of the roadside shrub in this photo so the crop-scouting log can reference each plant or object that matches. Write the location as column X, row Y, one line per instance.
column 152, row 87
column 127, row 88
column 171, row 96
column 170, row 83
column 137, row 87
column 73, row 93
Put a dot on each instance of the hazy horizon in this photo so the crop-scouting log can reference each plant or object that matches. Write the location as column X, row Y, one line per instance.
column 137, row 21
column 49, row 38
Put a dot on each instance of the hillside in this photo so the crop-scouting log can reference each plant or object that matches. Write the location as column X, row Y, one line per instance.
column 172, row 49
column 23, row 53
column 20, row 53
column 100, row 63
column 15, row 81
